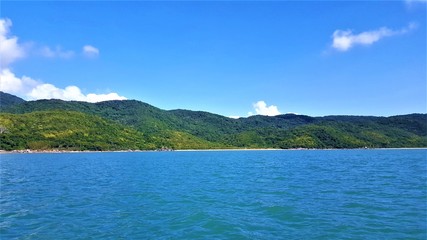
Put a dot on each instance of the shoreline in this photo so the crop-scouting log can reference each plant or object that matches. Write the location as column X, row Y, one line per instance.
column 29, row 151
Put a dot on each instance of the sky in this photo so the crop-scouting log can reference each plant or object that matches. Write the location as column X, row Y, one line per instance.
column 233, row 58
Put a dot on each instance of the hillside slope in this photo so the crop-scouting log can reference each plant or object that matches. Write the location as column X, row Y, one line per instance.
column 7, row 100
column 79, row 131
column 184, row 129
column 67, row 130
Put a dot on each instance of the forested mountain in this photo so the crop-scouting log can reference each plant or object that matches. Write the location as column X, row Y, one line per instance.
column 130, row 124
column 7, row 99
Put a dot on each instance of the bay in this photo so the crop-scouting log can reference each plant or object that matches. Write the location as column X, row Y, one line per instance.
column 321, row 194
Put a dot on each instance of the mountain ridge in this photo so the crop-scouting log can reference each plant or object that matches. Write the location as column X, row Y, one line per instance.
column 7, row 99
column 184, row 129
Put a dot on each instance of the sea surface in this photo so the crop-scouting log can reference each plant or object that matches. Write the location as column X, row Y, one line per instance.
column 308, row 194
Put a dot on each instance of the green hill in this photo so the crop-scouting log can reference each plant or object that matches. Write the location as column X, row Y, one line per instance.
column 67, row 130
column 79, row 131
column 7, row 99
column 153, row 128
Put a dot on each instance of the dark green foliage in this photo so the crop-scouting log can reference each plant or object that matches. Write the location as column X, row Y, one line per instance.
column 142, row 126
column 7, row 100
column 67, row 130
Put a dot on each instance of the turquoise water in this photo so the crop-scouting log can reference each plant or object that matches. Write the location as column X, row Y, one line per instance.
column 340, row 194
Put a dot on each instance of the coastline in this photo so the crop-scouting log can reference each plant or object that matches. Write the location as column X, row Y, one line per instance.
column 28, row 151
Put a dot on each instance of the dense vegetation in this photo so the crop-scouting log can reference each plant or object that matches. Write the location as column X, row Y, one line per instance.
column 7, row 99
column 66, row 130
column 130, row 124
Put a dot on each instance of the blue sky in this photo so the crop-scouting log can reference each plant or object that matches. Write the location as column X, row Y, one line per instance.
column 231, row 58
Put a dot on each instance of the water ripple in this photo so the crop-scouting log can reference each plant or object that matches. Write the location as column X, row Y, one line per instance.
column 216, row 195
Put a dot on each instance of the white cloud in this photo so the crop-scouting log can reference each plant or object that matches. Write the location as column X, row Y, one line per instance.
column 10, row 50
column 343, row 40
column 31, row 89
column 14, row 85
column 56, row 52
column 49, row 91
column 91, row 97
column 90, row 51
column 261, row 108
column 234, row 117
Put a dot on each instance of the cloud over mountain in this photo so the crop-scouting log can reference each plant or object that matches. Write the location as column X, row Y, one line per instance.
column 11, row 51
column 261, row 108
